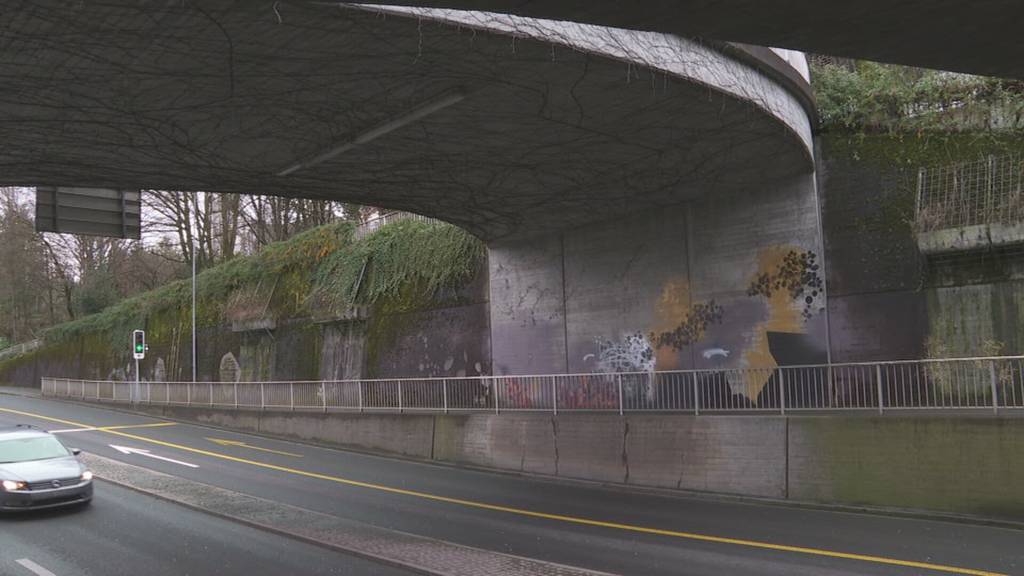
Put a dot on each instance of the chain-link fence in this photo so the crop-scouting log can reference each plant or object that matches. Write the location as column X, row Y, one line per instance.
column 985, row 191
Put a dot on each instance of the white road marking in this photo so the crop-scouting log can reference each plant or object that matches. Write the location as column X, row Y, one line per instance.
column 147, row 454
column 36, row 568
column 68, row 430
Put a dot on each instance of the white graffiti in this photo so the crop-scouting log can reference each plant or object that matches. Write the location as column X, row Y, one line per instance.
column 713, row 352
column 633, row 354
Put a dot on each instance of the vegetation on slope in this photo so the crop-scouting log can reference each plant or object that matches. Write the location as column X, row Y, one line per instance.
column 298, row 277
column 880, row 97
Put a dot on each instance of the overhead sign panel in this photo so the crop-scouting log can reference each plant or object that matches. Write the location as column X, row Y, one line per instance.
column 89, row 211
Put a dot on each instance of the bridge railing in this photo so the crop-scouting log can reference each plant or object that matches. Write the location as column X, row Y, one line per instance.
column 988, row 385
column 374, row 224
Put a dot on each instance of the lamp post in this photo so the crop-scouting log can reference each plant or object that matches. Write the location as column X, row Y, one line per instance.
column 194, row 359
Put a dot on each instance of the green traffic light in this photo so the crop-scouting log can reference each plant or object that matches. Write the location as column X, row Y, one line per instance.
column 138, row 347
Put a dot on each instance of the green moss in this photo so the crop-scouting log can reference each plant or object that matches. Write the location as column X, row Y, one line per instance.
column 404, row 266
column 912, row 150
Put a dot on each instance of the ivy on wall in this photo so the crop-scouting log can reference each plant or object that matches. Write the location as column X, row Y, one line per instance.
column 408, row 261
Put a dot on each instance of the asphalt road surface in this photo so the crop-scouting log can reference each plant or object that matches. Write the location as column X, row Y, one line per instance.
column 130, row 534
column 611, row 530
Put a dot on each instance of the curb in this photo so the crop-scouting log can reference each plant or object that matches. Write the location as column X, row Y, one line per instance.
column 543, row 568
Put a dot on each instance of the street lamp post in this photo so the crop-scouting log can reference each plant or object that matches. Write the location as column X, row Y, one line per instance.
column 194, row 354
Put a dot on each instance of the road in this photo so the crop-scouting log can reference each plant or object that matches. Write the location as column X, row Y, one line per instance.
column 589, row 526
column 127, row 533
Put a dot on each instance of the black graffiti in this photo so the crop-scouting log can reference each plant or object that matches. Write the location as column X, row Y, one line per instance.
column 691, row 329
column 797, row 275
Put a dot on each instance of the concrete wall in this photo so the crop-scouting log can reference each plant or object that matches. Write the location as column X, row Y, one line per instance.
column 962, row 465
column 724, row 281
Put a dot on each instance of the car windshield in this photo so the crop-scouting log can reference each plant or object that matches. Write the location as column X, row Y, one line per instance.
column 36, row 448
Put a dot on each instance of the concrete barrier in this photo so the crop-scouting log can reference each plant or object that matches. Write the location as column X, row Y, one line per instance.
column 736, row 455
column 522, row 442
column 408, row 435
column 954, row 464
column 951, row 464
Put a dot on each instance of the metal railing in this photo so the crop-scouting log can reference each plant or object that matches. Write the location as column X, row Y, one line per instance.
column 19, row 349
column 989, row 384
column 374, row 224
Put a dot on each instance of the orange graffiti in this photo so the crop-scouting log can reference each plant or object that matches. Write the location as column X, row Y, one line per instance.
column 783, row 316
column 672, row 308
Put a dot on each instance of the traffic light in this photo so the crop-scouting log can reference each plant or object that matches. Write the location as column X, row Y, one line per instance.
column 139, row 344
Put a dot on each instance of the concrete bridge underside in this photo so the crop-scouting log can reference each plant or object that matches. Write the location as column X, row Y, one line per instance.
column 979, row 37
column 501, row 125
column 648, row 200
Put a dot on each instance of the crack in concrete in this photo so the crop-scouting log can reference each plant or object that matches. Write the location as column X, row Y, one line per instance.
column 625, row 453
column 554, row 434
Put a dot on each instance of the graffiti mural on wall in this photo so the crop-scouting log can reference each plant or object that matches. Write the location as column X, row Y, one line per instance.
column 691, row 329
column 796, row 275
column 632, row 354
column 772, row 323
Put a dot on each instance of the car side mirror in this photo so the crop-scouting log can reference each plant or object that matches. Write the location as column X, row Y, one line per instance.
column 76, row 451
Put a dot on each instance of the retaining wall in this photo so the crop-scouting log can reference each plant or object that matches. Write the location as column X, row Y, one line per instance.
column 952, row 464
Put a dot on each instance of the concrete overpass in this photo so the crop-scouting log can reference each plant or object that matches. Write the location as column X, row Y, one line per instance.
column 501, row 125
column 649, row 200
column 978, row 37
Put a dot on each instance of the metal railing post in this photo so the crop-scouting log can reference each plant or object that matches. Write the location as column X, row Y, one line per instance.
column 696, row 395
column 236, row 394
column 323, row 396
column 82, row 395
column 782, row 391
column 263, row 399
column 618, row 377
column 359, row 389
column 497, row 395
column 400, row 407
column 211, row 394
column 444, row 394
column 188, row 394
column 291, row 395
column 554, row 395
column 149, row 393
column 992, row 379
column 878, row 380
column 167, row 393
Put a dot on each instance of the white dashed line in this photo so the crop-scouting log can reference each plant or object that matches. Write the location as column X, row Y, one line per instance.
column 35, row 568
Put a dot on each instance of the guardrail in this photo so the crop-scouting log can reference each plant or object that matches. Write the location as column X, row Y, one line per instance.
column 371, row 226
column 19, row 349
column 990, row 384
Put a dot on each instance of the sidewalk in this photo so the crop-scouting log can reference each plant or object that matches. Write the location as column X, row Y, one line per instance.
column 19, row 391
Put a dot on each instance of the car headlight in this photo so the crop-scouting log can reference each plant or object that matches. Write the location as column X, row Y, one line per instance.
column 87, row 475
column 12, row 485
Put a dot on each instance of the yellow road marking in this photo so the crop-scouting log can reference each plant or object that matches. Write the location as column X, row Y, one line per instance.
column 545, row 515
column 238, row 444
column 106, row 428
